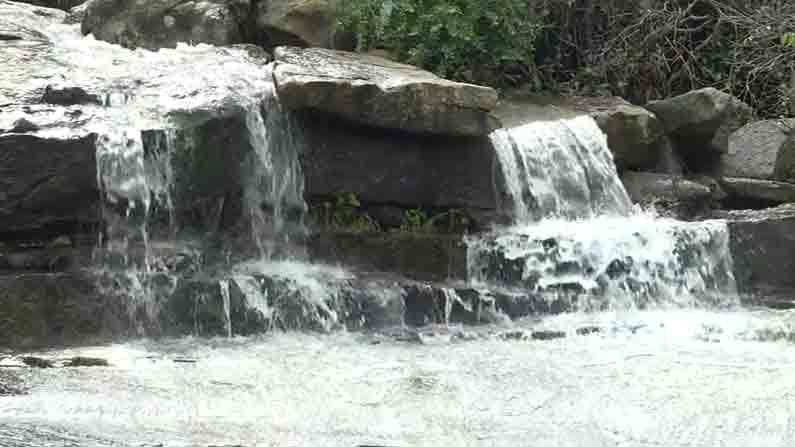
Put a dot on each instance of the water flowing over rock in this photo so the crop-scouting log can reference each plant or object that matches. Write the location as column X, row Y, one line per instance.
column 378, row 92
column 577, row 241
column 559, row 169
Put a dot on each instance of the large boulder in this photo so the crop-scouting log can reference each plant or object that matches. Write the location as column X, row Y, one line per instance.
column 762, row 243
column 635, row 136
column 297, row 22
column 156, row 24
column 762, row 150
column 377, row 92
column 393, row 168
column 701, row 121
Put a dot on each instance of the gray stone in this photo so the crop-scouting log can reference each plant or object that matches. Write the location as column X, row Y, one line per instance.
column 58, row 4
column 762, row 150
column 646, row 187
column 297, row 22
column 377, row 92
column 758, row 190
column 762, row 244
column 701, row 120
column 156, row 24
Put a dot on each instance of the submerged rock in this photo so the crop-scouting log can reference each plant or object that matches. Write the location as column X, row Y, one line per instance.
column 38, row 362
column 761, row 150
column 378, row 92
column 75, row 362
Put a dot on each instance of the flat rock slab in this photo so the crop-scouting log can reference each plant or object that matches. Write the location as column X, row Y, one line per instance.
column 756, row 189
column 378, row 92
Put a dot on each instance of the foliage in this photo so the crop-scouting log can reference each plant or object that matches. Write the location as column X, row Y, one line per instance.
column 486, row 41
column 344, row 214
column 637, row 49
column 416, row 221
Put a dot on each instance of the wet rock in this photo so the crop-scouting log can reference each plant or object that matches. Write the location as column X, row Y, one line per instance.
column 671, row 195
column 762, row 150
column 588, row 330
column 635, row 136
column 544, row 335
column 67, row 96
column 297, row 22
column 749, row 190
column 76, row 362
column 47, row 181
column 77, row 13
column 701, row 121
column 377, row 92
column 37, row 362
column 158, row 24
column 762, row 243
column 415, row 255
column 646, row 187
column 60, row 309
column 514, row 336
column 23, row 125
column 389, row 168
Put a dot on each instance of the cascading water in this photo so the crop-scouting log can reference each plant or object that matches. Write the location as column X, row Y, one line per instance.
column 577, row 240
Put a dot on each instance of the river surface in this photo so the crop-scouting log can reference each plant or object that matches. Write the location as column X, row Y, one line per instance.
column 695, row 378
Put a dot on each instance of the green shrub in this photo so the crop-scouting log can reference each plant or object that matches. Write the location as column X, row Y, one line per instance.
column 485, row 41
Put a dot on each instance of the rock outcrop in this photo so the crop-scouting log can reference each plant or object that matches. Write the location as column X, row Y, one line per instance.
column 670, row 194
column 373, row 91
column 701, row 121
column 761, row 150
column 297, row 22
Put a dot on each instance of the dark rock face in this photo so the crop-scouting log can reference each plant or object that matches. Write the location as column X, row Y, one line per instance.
column 395, row 168
column 701, row 121
column 762, row 244
column 373, row 91
column 762, row 150
column 47, row 181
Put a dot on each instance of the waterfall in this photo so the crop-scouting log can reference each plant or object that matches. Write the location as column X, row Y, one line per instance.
column 559, row 169
column 577, row 238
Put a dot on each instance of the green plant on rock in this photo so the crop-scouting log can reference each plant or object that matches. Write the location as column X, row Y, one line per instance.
column 414, row 221
column 344, row 213
column 486, row 41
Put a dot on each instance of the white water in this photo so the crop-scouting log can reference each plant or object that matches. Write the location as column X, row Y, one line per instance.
column 577, row 236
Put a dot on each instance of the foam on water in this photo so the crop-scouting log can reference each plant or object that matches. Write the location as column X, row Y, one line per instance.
column 577, row 236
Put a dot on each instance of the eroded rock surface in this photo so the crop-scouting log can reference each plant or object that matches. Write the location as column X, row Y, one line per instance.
column 378, row 92
column 762, row 150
